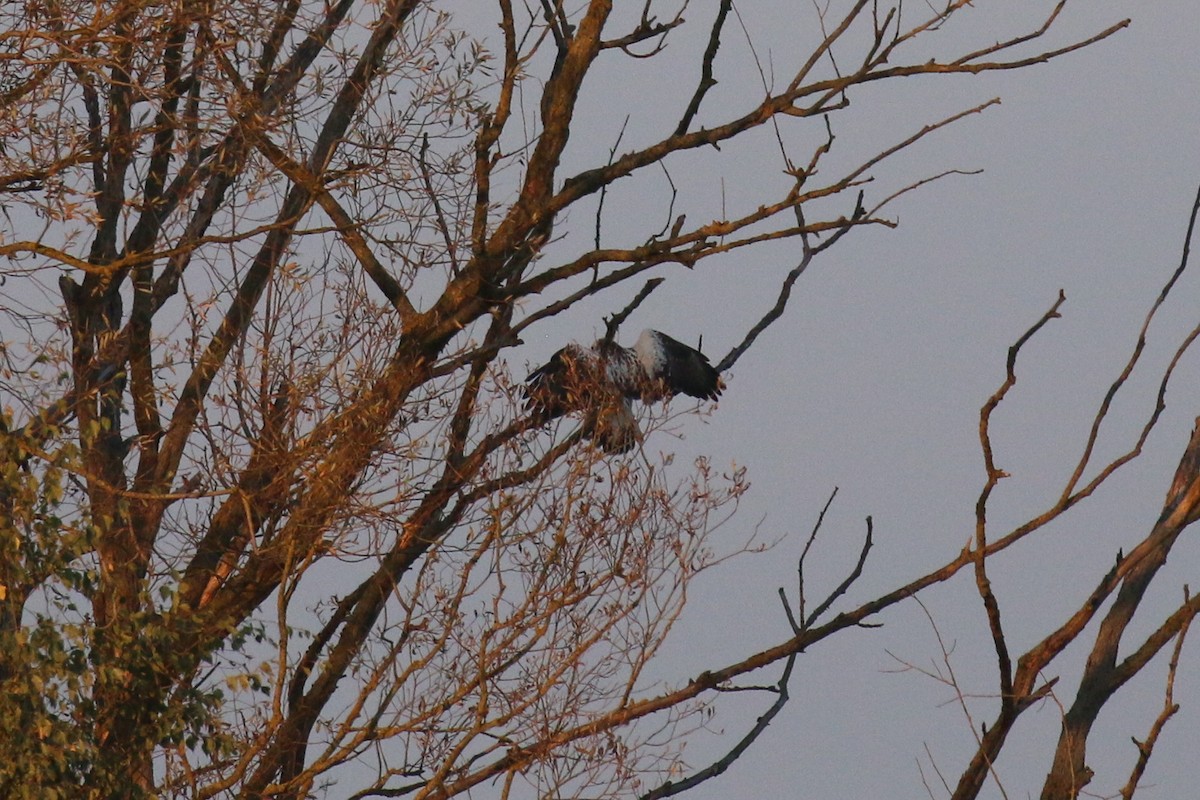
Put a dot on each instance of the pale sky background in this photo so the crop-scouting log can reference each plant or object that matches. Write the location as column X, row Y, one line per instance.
column 874, row 379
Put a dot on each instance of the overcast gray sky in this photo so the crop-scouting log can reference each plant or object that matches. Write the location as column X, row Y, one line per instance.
column 873, row 382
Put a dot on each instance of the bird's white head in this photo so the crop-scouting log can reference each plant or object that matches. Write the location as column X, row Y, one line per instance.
column 650, row 352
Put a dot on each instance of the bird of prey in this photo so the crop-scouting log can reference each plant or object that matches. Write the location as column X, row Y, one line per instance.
column 603, row 380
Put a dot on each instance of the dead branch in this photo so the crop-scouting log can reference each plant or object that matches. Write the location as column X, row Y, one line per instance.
column 1145, row 748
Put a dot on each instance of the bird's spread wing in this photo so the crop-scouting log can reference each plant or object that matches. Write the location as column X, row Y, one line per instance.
column 560, row 386
column 572, row 380
column 684, row 369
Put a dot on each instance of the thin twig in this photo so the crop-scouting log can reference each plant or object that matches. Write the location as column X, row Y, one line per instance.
column 1169, row 709
column 868, row 541
column 707, row 81
column 812, row 537
column 720, row 765
column 614, row 323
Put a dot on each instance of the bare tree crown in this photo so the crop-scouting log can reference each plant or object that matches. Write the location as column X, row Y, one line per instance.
column 275, row 513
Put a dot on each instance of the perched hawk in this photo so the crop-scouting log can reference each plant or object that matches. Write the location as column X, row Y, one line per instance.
column 603, row 380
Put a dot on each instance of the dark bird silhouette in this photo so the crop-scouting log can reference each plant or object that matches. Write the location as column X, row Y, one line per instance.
column 603, row 380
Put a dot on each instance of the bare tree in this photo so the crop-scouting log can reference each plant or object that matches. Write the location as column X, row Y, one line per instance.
column 276, row 513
